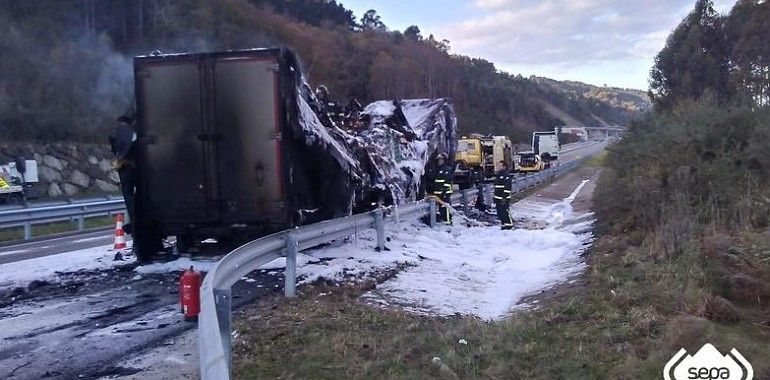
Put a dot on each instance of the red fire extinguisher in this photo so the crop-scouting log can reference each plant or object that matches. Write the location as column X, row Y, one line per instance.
column 189, row 294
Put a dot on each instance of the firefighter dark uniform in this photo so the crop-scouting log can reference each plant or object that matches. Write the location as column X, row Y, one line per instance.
column 502, row 197
column 331, row 108
column 442, row 188
column 123, row 147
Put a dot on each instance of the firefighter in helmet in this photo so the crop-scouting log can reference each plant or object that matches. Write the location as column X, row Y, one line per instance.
column 332, row 109
column 441, row 185
column 502, row 196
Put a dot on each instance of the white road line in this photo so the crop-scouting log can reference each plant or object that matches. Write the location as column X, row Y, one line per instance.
column 92, row 239
column 13, row 252
column 574, row 194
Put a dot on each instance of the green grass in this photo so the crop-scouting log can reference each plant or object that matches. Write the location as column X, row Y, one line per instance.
column 12, row 234
column 597, row 159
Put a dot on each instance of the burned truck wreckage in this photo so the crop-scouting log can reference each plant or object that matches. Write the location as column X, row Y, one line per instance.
column 235, row 145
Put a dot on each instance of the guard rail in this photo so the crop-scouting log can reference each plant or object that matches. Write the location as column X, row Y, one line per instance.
column 214, row 324
column 27, row 217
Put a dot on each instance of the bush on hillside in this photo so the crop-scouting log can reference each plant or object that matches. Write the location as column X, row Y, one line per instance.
column 697, row 165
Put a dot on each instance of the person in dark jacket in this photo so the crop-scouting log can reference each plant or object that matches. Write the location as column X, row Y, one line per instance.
column 122, row 144
column 502, row 196
column 481, row 204
column 331, row 108
column 441, row 187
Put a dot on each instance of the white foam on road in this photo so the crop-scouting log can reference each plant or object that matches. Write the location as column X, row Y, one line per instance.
column 180, row 264
column 207, row 264
column 480, row 271
column 486, row 271
column 45, row 268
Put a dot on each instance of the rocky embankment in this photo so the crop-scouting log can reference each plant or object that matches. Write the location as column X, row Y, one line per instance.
column 67, row 169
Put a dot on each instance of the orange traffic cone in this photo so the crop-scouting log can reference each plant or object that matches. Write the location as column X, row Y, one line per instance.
column 120, row 236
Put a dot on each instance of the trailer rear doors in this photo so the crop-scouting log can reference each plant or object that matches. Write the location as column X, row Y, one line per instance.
column 246, row 119
column 209, row 138
column 546, row 144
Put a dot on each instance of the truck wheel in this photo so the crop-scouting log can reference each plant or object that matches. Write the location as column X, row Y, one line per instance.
column 17, row 199
column 147, row 243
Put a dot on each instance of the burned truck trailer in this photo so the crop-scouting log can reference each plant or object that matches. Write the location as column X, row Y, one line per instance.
column 233, row 145
column 222, row 147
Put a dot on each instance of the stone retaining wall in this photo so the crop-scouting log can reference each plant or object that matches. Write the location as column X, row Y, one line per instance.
column 68, row 169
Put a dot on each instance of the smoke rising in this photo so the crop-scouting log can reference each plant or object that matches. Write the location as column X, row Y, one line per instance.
column 114, row 88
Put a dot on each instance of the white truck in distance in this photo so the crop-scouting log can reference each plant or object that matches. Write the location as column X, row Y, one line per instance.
column 546, row 145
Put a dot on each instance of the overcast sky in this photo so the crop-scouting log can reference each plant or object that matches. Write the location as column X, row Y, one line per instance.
column 600, row 42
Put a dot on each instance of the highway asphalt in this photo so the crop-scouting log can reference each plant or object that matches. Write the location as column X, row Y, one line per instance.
column 54, row 246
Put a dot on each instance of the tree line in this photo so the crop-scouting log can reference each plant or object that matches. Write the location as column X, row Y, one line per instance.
column 67, row 71
column 726, row 57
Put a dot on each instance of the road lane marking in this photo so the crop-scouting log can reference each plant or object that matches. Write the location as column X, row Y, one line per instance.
column 86, row 240
column 6, row 253
column 55, row 239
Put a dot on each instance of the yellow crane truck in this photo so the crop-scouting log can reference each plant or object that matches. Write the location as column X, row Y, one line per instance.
column 528, row 162
column 478, row 158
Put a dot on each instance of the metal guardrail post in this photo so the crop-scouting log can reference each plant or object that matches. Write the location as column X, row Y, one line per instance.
column 27, row 230
column 432, row 210
column 379, row 226
column 464, row 201
column 396, row 214
column 82, row 221
column 224, row 302
column 290, row 275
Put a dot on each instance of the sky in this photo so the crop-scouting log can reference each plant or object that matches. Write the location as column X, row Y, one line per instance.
column 601, row 42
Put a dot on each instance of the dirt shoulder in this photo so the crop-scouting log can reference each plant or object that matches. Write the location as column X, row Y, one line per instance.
column 564, row 186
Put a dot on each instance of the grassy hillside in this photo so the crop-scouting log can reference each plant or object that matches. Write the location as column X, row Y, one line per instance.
column 67, row 67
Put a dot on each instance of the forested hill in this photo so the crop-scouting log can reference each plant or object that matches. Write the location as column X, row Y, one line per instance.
column 67, row 69
column 605, row 104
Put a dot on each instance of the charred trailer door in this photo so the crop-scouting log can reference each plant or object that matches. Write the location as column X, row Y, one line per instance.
column 209, row 155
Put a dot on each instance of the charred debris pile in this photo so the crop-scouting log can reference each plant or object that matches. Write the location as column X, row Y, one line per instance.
column 380, row 152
